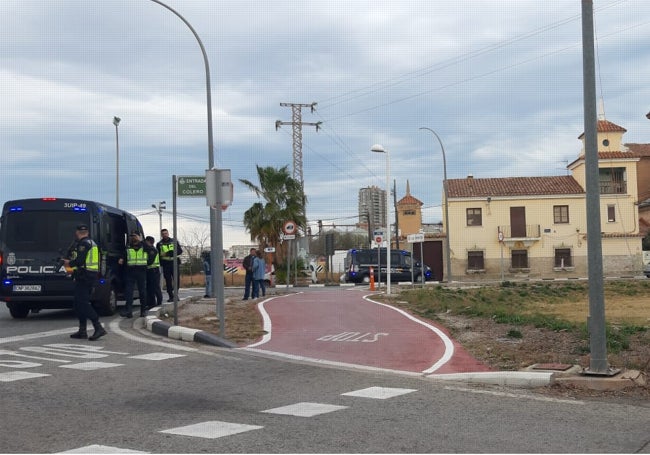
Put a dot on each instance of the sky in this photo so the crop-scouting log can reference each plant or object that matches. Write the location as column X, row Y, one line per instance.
column 500, row 82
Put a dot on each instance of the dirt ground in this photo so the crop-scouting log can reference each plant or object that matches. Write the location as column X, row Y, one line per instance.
column 484, row 338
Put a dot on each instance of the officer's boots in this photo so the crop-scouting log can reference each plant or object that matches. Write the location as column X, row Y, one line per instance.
column 99, row 331
column 80, row 334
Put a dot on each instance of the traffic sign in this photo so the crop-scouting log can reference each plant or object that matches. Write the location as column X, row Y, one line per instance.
column 289, row 228
column 190, row 186
column 415, row 238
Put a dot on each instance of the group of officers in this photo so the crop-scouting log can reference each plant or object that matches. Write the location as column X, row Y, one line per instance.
column 142, row 262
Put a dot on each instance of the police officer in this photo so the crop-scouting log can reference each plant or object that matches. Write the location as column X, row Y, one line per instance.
column 84, row 262
column 137, row 259
column 166, row 254
column 154, row 294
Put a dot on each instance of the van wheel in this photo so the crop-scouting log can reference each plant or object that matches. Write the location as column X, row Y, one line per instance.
column 366, row 279
column 420, row 278
column 108, row 306
column 18, row 311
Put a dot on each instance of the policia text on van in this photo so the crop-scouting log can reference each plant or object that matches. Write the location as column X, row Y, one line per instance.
column 359, row 262
column 36, row 233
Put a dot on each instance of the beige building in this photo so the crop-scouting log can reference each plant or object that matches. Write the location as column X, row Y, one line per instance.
column 536, row 226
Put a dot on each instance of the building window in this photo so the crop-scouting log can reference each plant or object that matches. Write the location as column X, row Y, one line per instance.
column 560, row 214
column 409, row 212
column 475, row 260
column 519, row 259
column 474, row 217
column 611, row 213
column 612, row 180
column 563, row 257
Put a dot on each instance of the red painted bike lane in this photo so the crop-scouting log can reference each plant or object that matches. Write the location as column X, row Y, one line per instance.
column 344, row 326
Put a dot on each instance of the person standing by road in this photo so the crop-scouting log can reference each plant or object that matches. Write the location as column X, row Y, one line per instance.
column 154, row 294
column 84, row 261
column 207, row 271
column 138, row 257
column 259, row 271
column 248, row 267
column 166, row 248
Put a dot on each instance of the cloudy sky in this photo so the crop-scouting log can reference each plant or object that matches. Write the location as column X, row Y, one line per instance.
column 499, row 81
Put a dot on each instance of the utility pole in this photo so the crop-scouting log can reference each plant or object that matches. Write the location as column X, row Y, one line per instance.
column 297, row 123
column 396, row 217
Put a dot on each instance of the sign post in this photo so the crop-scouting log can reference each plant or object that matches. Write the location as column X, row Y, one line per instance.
column 418, row 238
column 378, row 236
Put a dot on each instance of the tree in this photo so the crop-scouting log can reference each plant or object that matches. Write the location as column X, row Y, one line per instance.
column 283, row 198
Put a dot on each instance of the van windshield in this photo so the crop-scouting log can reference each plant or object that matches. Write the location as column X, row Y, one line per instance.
column 41, row 230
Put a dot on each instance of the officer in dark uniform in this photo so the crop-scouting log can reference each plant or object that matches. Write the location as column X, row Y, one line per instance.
column 137, row 259
column 154, row 294
column 84, row 265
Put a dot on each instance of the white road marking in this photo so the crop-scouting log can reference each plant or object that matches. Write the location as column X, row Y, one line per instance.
column 266, row 321
column 449, row 345
column 31, row 336
column 514, row 395
column 379, row 393
column 89, row 366
column 114, row 327
column 19, row 376
column 95, row 448
column 156, row 356
column 305, row 409
column 212, row 429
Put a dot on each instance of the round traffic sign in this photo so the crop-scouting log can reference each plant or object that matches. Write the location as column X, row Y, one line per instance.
column 289, row 227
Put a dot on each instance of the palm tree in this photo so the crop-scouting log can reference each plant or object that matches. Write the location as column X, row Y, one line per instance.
column 282, row 201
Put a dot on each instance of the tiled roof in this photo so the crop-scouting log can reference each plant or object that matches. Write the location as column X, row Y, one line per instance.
column 409, row 200
column 513, row 186
column 614, row 155
column 639, row 149
column 605, row 126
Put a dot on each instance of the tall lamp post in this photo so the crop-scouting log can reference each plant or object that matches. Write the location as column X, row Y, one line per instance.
column 161, row 205
column 444, row 185
column 116, row 121
column 378, row 148
column 216, row 230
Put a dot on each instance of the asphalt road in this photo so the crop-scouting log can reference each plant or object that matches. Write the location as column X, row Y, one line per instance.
column 135, row 391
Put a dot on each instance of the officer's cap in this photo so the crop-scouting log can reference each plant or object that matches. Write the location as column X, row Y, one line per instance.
column 82, row 227
column 149, row 238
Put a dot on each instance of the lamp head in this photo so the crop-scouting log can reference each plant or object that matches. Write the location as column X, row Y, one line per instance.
column 116, row 121
column 378, row 148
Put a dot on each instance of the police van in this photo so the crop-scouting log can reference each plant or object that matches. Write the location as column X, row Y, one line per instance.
column 358, row 263
column 35, row 234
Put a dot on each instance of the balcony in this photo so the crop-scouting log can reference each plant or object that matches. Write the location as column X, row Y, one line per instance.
column 520, row 236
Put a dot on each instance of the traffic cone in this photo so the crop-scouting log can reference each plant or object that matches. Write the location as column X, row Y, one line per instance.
column 372, row 279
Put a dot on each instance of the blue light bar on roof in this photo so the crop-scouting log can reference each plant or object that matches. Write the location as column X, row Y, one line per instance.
column 16, row 208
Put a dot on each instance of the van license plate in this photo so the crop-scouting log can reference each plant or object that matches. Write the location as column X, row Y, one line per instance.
column 27, row 288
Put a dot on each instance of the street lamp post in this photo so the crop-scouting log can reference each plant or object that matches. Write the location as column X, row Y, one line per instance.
column 378, row 148
column 444, row 185
column 216, row 231
column 161, row 205
column 116, row 121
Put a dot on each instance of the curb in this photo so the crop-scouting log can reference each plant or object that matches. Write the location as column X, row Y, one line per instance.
column 177, row 332
column 524, row 379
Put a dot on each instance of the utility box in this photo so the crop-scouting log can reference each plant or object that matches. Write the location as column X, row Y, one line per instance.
column 218, row 188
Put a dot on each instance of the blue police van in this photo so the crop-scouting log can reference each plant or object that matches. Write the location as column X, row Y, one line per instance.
column 358, row 263
column 35, row 234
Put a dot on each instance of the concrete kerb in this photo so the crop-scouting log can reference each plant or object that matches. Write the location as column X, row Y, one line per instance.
column 154, row 324
column 521, row 379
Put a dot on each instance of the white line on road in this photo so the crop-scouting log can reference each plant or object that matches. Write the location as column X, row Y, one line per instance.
column 31, row 336
column 514, row 395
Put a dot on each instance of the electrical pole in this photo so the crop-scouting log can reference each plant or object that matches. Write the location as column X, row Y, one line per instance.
column 396, row 217
column 297, row 123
